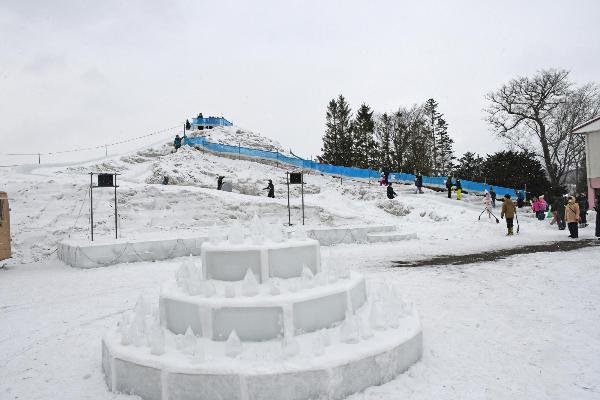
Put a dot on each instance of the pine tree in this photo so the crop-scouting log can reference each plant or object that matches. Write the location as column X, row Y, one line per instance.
column 362, row 132
column 515, row 169
column 383, row 133
column 432, row 117
column 470, row 167
column 344, row 132
column 330, row 139
column 444, row 146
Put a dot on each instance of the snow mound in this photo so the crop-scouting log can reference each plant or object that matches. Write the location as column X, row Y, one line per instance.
column 364, row 193
column 234, row 136
column 394, row 207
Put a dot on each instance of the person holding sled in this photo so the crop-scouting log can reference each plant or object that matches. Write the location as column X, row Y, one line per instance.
column 449, row 187
column 458, row 189
column 508, row 211
column 572, row 216
column 390, row 191
column 271, row 188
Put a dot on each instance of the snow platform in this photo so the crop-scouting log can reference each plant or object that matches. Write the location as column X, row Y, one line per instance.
column 346, row 234
column 382, row 237
column 261, row 371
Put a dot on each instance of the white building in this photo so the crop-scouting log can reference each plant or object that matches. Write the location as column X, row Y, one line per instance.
column 591, row 130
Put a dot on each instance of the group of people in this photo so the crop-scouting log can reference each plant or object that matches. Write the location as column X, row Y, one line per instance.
column 457, row 185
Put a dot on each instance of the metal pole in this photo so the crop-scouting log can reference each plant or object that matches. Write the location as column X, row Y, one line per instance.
column 239, row 151
column 39, row 158
column 91, row 205
column 277, row 158
column 106, row 150
column 116, row 228
column 302, row 186
column 287, row 179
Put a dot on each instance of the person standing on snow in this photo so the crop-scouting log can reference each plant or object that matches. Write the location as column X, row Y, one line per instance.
column 558, row 206
column 449, row 187
column 458, row 189
column 493, row 196
column 572, row 217
column 520, row 198
column 583, row 207
column 390, row 191
column 271, row 188
column 542, row 207
column 419, row 183
column 597, row 215
column 508, row 210
column 177, row 142
column 220, row 182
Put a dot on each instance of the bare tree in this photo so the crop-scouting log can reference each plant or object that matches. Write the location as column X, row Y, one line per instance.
column 522, row 111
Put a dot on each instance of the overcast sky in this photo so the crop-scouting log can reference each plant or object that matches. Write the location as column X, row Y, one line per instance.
column 79, row 73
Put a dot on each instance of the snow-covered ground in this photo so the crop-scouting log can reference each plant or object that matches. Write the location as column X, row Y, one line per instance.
column 523, row 327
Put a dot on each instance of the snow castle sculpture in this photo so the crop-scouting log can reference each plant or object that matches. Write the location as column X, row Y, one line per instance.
column 261, row 318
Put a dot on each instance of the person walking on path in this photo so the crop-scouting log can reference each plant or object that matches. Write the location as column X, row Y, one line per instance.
column 458, row 189
column 493, row 196
column 449, row 187
column 177, row 142
column 390, row 191
column 508, row 211
column 572, row 217
column 271, row 188
column 583, row 208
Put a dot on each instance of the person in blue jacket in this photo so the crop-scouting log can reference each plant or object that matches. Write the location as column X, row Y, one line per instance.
column 177, row 142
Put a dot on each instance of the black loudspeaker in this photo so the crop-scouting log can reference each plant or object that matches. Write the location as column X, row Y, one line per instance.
column 295, row 178
column 105, row 180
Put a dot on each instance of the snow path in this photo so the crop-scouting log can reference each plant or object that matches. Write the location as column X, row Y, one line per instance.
column 524, row 327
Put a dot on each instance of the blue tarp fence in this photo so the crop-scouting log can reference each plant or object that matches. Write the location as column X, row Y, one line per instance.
column 349, row 172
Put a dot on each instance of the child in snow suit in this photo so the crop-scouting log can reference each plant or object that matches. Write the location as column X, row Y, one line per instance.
column 419, row 183
column 390, row 191
column 572, row 217
column 542, row 207
column 458, row 189
column 271, row 188
column 508, row 210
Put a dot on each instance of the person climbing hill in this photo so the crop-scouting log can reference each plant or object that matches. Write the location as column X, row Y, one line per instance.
column 390, row 191
column 271, row 188
column 177, row 142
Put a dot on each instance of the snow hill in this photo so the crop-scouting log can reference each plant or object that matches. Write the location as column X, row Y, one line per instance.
column 50, row 203
column 525, row 327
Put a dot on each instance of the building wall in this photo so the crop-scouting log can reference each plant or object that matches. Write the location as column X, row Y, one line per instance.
column 592, row 154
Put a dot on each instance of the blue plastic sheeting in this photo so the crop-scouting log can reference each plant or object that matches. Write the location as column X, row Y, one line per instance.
column 211, row 121
column 350, row 172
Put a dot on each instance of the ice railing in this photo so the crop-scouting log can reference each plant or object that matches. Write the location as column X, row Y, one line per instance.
column 349, row 172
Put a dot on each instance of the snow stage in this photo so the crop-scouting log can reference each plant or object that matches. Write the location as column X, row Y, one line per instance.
column 261, row 318
column 82, row 253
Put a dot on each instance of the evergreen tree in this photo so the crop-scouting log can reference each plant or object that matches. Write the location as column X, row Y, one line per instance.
column 470, row 167
column 363, row 146
column 432, row 117
column 515, row 169
column 383, row 133
column 445, row 155
column 337, row 141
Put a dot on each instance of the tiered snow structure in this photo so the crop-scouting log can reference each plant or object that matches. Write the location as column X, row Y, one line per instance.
column 261, row 318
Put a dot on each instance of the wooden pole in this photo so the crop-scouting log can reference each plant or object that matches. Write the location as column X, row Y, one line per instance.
column 302, row 185
column 116, row 228
column 287, row 179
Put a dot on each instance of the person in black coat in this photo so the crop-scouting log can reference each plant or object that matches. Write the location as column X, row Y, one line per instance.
column 493, row 196
column 598, row 214
column 449, row 187
column 583, row 207
column 271, row 188
column 220, row 182
column 177, row 142
column 390, row 191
